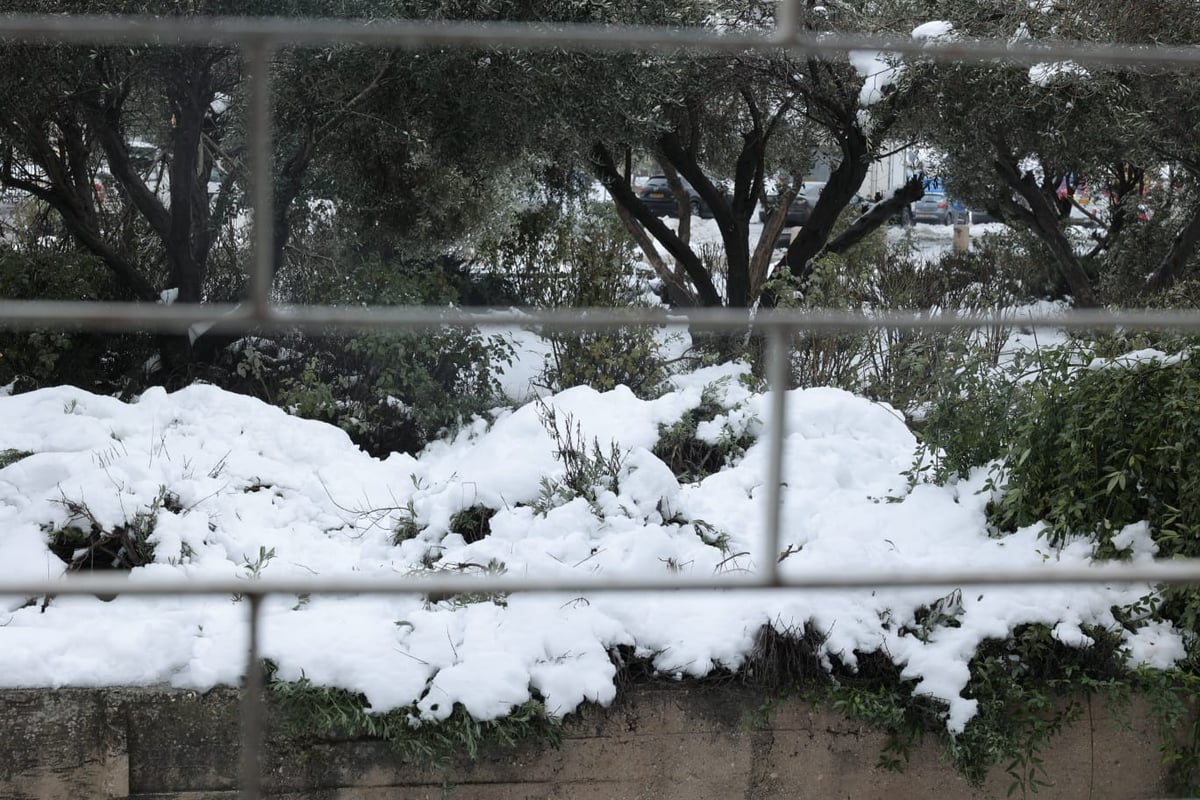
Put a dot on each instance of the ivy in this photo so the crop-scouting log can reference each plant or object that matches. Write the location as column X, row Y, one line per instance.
column 312, row 712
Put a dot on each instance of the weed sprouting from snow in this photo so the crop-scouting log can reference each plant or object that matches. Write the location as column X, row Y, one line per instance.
column 587, row 471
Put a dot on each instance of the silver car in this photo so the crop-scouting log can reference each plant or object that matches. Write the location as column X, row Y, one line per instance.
column 939, row 209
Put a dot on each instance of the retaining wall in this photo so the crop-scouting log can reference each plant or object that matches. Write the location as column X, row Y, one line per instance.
column 673, row 743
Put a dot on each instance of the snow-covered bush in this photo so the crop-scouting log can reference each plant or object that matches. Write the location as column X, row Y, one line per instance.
column 392, row 392
column 1115, row 443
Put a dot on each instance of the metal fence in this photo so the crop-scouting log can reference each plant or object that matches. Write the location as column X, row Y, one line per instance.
column 259, row 38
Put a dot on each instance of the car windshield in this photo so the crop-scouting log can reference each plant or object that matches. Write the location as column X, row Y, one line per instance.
column 660, row 181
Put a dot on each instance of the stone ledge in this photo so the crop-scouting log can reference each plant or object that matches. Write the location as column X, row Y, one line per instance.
column 672, row 743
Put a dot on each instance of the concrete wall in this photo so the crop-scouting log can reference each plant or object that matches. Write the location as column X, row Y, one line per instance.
column 672, row 743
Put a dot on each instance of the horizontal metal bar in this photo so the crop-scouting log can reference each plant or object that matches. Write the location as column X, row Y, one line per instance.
column 415, row 34
column 1175, row 572
column 33, row 314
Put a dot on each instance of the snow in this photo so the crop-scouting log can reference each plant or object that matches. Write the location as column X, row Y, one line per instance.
column 934, row 31
column 256, row 492
column 1046, row 73
column 878, row 72
column 1137, row 358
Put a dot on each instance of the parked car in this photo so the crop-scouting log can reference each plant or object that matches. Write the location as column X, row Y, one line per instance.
column 939, row 209
column 658, row 197
column 801, row 207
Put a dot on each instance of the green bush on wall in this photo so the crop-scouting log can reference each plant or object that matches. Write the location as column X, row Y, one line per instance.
column 1114, row 444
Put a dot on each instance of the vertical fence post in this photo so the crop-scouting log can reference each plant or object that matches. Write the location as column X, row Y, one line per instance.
column 262, row 187
column 252, row 711
column 787, row 15
column 777, row 385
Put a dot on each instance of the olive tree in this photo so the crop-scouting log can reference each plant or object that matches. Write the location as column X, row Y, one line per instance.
column 752, row 118
column 1021, row 139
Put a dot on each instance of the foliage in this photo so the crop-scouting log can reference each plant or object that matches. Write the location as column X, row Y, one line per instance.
column 84, row 543
column 968, row 420
column 914, row 370
column 564, row 254
column 1029, row 688
column 391, row 392
column 1097, row 449
column 1173, row 697
column 1087, row 445
column 472, row 523
column 407, row 525
column 587, row 472
column 691, row 458
column 492, row 567
column 312, row 712
column 11, row 455
column 111, row 364
column 1147, row 236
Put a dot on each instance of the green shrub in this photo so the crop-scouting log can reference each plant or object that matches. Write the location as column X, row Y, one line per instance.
column 100, row 362
column 689, row 457
column 392, row 392
column 1098, row 449
column 12, row 456
column 967, row 419
column 318, row 713
column 587, row 470
column 1095, row 450
column 473, row 523
column 84, row 543
column 1173, row 699
column 909, row 369
column 1029, row 688
column 572, row 256
column 1136, row 252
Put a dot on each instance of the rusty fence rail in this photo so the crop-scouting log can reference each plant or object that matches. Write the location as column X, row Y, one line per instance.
column 259, row 38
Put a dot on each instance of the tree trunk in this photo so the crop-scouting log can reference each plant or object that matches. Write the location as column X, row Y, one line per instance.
column 760, row 261
column 622, row 194
column 677, row 292
column 878, row 215
column 1182, row 247
column 732, row 218
column 1043, row 220
column 841, row 187
column 188, row 221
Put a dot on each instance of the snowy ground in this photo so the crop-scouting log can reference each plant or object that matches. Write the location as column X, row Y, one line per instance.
column 253, row 491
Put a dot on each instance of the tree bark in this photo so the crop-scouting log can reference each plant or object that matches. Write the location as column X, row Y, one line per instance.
column 677, row 291
column 732, row 215
column 192, row 94
column 1182, row 247
column 878, row 215
column 843, row 183
column 1043, row 220
column 621, row 193
column 760, row 261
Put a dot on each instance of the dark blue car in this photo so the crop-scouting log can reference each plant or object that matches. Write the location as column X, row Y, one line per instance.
column 657, row 197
